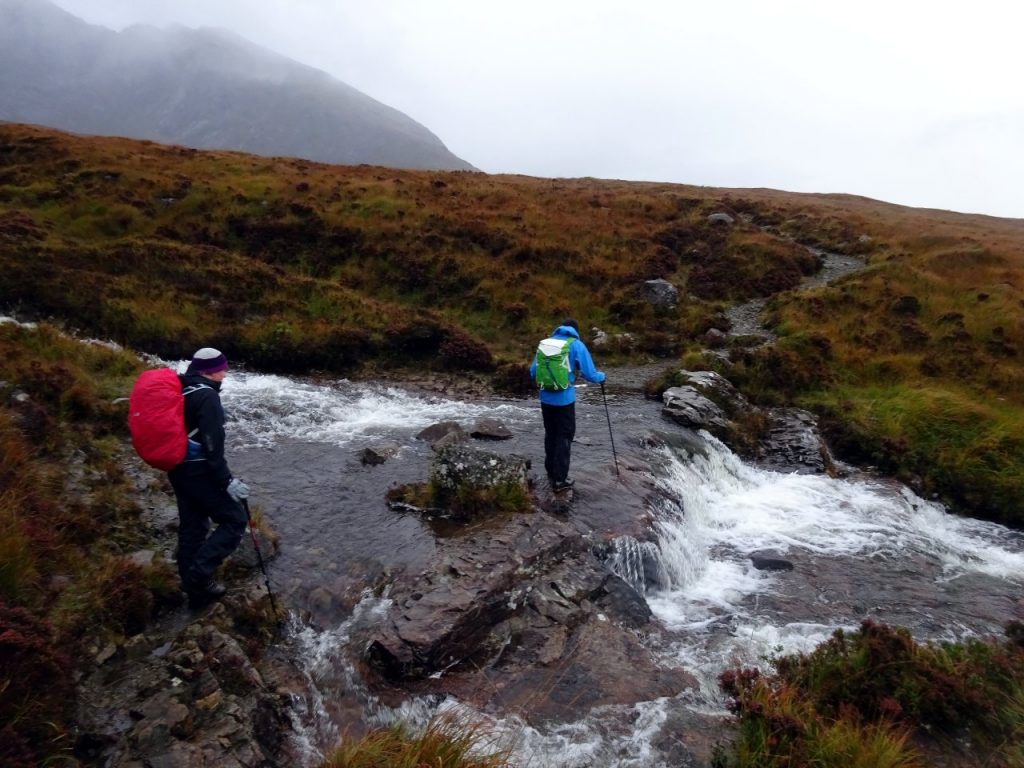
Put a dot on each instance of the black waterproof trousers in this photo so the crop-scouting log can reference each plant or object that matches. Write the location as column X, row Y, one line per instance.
column 559, row 431
column 200, row 500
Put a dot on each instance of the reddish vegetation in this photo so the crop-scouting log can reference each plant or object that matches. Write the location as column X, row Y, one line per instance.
column 36, row 690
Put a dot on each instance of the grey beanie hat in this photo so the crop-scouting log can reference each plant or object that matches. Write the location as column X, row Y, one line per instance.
column 208, row 360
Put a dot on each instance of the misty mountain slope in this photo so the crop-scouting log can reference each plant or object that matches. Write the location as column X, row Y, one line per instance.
column 203, row 88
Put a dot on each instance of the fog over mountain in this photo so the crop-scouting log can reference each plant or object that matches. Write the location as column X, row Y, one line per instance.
column 204, row 88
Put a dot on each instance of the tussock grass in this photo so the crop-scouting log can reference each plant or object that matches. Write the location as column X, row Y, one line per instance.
column 18, row 573
column 446, row 742
column 780, row 728
column 146, row 244
column 944, row 439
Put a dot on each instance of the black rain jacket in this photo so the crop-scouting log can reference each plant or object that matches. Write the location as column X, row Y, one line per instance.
column 204, row 423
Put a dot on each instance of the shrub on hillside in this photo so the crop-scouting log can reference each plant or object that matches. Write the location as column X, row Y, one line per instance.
column 776, row 374
column 416, row 340
column 462, row 352
column 660, row 264
column 36, row 691
column 126, row 600
column 660, row 343
column 517, row 312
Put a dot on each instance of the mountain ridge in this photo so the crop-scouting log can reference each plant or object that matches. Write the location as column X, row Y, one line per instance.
column 205, row 88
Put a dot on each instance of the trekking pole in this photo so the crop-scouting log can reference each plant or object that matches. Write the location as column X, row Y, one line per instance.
column 610, row 435
column 259, row 557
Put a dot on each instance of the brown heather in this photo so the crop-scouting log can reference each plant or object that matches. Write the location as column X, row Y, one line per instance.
column 875, row 697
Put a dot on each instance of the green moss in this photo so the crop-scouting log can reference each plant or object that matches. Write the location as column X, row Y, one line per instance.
column 944, row 441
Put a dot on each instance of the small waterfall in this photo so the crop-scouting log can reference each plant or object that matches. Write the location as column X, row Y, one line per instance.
column 324, row 659
column 860, row 547
column 636, row 562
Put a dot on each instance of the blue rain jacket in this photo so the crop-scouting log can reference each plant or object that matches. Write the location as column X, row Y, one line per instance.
column 579, row 358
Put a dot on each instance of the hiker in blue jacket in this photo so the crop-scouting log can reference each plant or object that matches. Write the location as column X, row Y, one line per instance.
column 558, row 408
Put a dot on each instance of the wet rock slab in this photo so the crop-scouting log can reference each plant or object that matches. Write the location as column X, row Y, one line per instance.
column 521, row 614
column 792, row 443
column 441, row 616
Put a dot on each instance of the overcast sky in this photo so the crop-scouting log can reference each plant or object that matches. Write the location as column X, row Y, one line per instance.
column 919, row 103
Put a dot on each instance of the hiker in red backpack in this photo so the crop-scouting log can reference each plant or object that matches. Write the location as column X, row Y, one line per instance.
column 202, row 482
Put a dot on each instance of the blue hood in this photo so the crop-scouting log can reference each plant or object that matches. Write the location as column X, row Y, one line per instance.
column 565, row 330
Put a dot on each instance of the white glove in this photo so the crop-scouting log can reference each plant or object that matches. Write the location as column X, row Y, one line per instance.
column 237, row 490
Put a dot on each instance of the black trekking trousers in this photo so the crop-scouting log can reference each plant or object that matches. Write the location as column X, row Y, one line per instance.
column 559, row 431
column 200, row 500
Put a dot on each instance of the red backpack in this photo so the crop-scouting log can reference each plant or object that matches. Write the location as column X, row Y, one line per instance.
column 156, row 418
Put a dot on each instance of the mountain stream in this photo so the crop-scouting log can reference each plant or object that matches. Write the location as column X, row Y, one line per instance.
column 860, row 546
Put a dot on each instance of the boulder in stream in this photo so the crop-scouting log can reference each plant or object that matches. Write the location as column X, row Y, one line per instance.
column 379, row 452
column 470, row 482
column 770, row 561
column 792, row 443
column 441, row 429
column 489, row 428
column 704, row 400
column 783, row 439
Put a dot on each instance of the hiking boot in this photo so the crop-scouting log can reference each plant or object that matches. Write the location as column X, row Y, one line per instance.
column 198, row 597
column 563, row 485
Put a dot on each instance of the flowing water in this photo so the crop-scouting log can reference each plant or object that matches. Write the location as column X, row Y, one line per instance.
column 860, row 546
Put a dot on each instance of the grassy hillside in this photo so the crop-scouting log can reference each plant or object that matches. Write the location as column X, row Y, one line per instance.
column 294, row 266
column 916, row 362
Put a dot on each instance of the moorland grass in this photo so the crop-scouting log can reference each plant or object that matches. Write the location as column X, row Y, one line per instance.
column 67, row 518
column 876, row 697
column 914, row 363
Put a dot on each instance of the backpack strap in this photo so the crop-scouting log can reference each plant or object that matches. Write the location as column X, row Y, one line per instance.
column 186, row 391
column 194, row 388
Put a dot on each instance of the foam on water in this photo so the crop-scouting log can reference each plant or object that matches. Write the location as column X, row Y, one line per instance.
column 266, row 409
column 730, row 509
column 707, row 648
column 8, row 320
column 323, row 659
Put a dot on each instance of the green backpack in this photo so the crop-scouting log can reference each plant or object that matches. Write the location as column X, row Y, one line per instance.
column 553, row 364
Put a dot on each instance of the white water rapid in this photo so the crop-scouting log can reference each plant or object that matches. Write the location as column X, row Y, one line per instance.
column 860, row 547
